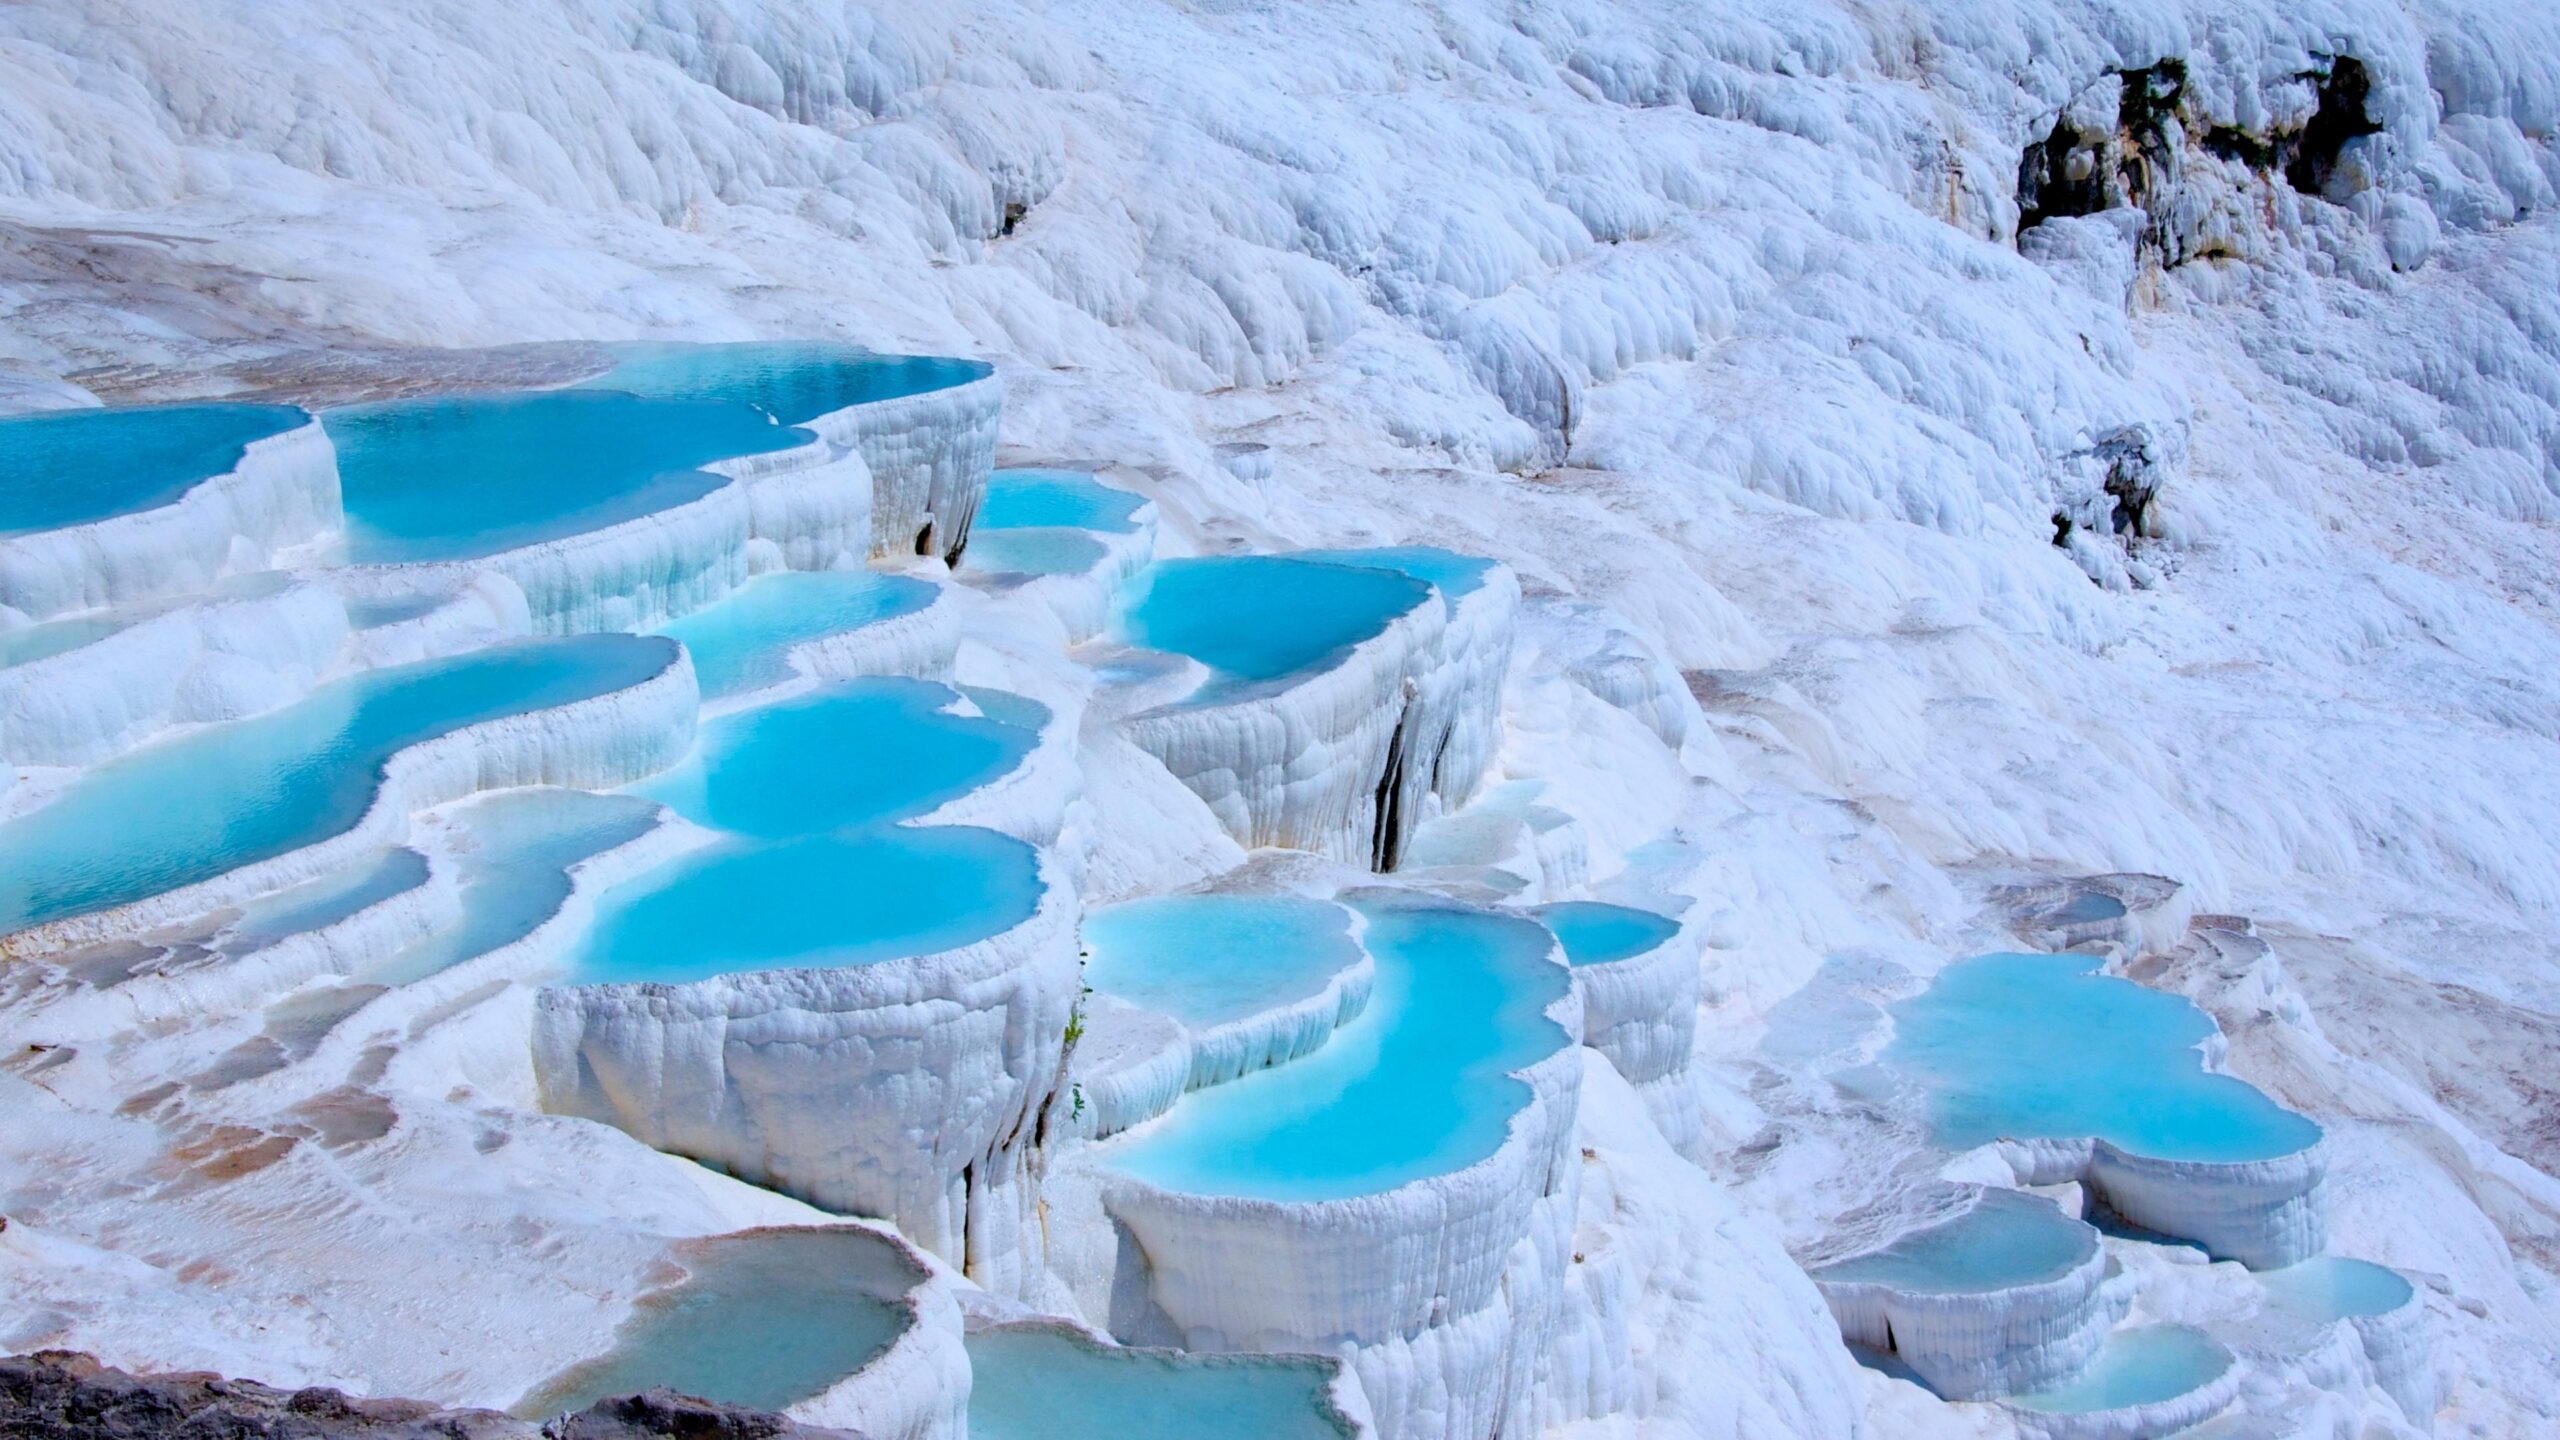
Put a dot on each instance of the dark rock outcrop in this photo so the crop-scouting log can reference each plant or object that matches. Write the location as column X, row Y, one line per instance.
column 64, row 1395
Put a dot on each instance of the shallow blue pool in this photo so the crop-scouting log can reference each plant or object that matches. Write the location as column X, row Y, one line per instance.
column 1596, row 933
column 1456, row 576
column 2140, row 1366
column 1037, row 1383
column 457, row 477
column 2332, row 1287
column 793, row 381
column 765, row 1318
column 30, row 643
column 2043, row 1046
column 234, row 794
column 852, row 753
column 1210, row 959
column 2004, row 1241
column 811, row 903
column 744, row 643
column 1047, row 499
column 76, row 467
column 1418, row 1085
column 1033, row 552
column 1260, row 618
column 321, row 903
column 519, row 849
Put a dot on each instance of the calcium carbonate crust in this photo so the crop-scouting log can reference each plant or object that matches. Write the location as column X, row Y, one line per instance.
column 1981, row 1344
column 907, row 1089
column 596, row 743
column 929, row 456
column 281, row 497
column 219, row 659
column 1242, row 1273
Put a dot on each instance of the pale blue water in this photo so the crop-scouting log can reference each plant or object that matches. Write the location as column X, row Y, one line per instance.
column 2043, row 1047
column 319, row 904
column 1456, row 575
column 853, row 753
column 1419, row 1084
column 765, row 1318
column 516, row 873
column 1033, row 552
column 1045, row 499
column 1209, row 959
column 29, row 643
column 1596, row 933
column 1260, row 618
column 2332, row 1287
column 743, row 644
column 1006, row 706
column 792, row 380
column 812, row 903
column 2089, row 907
column 1035, row 1383
column 234, row 794
column 375, row 612
column 2006, row 1240
column 75, row 467
column 2136, row 1367
column 456, row 477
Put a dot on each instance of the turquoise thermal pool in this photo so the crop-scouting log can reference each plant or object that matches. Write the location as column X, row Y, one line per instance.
column 515, row 870
column 2332, row 1287
column 1056, row 499
column 459, row 477
column 30, row 643
column 2141, row 1366
column 744, row 643
column 1596, row 933
column 76, row 467
column 1254, row 619
column 2005, row 1241
column 1031, row 1382
column 813, row 903
column 1212, row 959
column 1455, row 575
column 2045, row 1047
column 856, row 752
column 765, row 1318
column 1033, row 552
column 319, row 904
column 1419, row 1084
column 793, row 381
column 235, row 794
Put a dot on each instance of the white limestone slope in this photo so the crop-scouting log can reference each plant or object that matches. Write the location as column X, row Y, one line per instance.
column 1716, row 319
column 280, row 498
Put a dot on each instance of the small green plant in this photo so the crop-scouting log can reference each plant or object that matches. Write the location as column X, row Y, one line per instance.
column 1076, row 1093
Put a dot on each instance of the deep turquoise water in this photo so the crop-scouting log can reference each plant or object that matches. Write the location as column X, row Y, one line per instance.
column 852, row 753
column 2331, row 1287
column 1596, row 933
column 2005, row 1241
column 1033, row 552
column 767, row 1319
column 1456, row 575
column 1033, row 1383
column 457, row 477
column 1044, row 499
column 2135, row 1367
column 811, row 903
column 1419, row 1084
column 1209, row 959
column 743, row 644
column 793, row 381
column 232, row 795
column 2044, row 1047
column 1260, row 618
column 75, row 467
column 515, row 874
